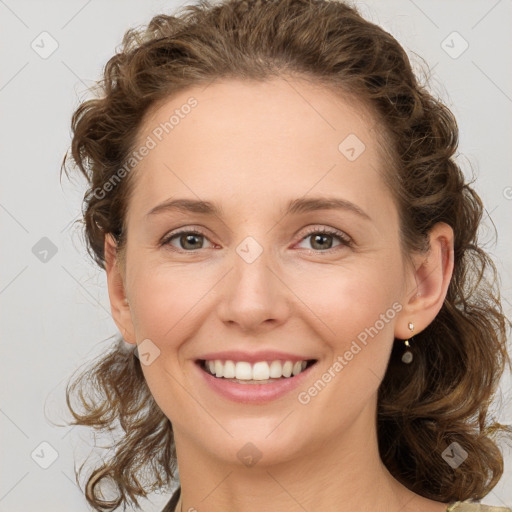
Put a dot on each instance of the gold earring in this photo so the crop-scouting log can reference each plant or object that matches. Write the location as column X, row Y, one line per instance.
column 407, row 356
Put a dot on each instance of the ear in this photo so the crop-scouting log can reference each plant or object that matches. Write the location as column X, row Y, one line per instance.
column 116, row 291
column 427, row 282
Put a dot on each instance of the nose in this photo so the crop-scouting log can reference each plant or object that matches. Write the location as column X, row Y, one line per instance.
column 254, row 296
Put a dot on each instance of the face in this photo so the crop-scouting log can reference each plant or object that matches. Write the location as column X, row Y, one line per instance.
column 267, row 272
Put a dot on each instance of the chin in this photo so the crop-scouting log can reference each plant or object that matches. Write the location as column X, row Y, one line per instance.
column 257, row 450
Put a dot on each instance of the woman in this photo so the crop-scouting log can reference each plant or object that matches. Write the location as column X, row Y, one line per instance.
column 291, row 259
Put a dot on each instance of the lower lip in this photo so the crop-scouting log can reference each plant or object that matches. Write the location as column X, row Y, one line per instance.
column 254, row 393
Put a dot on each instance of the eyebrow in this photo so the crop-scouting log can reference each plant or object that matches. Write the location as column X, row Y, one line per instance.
column 295, row 206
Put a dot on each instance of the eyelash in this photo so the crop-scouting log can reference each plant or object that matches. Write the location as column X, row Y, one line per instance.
column 345, row 241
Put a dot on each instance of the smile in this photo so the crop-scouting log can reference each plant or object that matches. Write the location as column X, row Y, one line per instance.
column 253, row 383
column 244, row 371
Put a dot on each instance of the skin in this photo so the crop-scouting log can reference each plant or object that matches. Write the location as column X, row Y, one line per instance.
column 250, row 148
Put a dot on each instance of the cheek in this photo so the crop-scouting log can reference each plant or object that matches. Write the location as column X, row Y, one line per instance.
column 349, row 301
column 166, row 305
column 166, row 300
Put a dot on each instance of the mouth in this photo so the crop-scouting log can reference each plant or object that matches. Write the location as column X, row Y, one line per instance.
column 261, row 372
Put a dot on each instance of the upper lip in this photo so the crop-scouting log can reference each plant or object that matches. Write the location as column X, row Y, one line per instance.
column 254, row 357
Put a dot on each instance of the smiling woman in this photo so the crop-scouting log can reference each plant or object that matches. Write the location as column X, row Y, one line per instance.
column 293, row 261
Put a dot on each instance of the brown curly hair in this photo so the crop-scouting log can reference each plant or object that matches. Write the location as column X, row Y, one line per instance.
column 459, row 358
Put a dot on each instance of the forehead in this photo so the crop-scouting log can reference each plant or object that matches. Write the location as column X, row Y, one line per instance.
column 254, row 140
column 270, row 107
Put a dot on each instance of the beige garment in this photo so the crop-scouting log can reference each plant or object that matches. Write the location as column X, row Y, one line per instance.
column 458, row 506
column 464, row 506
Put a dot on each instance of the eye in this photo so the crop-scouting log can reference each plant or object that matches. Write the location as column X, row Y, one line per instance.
column 322, row 238
column 188, row 240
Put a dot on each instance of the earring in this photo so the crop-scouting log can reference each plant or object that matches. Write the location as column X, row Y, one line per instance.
column 407, row 356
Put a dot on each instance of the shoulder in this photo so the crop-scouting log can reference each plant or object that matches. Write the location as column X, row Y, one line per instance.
column 466, row 506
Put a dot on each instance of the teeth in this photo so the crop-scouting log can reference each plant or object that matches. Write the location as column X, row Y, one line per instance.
column 243, row 371
column 261, row 370
column 287, row 369
column 276, row 370
column 297, row 368
column 229, row 371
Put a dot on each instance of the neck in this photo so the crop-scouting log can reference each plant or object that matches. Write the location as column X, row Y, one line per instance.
column 342, row 473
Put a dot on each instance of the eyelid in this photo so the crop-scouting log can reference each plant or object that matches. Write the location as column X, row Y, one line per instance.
column 328, row 231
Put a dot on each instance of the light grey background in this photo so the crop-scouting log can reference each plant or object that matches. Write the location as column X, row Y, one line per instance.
column 56, row 314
